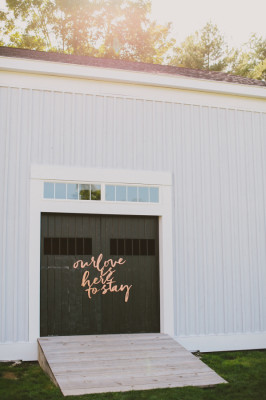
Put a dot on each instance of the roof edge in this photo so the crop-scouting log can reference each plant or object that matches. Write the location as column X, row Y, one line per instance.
column 30, row 61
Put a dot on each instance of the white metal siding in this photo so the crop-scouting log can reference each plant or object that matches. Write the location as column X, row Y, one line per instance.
column 218, row 160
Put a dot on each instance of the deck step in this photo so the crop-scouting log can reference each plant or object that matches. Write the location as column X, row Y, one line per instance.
column 117, row 363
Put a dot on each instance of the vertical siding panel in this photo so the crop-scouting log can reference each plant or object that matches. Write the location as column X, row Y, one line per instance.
column 158, row 128
column 57, row 128
column 51, row 127
column 179, row 213
column 16, row 238
column 198, row 222
column 236, row 281
column 131, row 131
column 5, row 123
column 252, row 260
column 262, row 237
column 202, row 196
column 226, row 238
column 77, row 130
column 149, row 150
column 183, row 304
column 220, row 320
column 121, row 132
column 208, row 221
column 62, row 108
column 139, row 134
column 23, row 214
column 9, row 261
column 188, row 222
column 109, row 132
column 67, row 128
column 259, row 216
column 243, row 225
column 88, row 145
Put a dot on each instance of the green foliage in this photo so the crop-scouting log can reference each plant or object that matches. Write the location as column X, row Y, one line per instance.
column 250, row 61
column 103, row 28
column 205, row 50
column 243, row 370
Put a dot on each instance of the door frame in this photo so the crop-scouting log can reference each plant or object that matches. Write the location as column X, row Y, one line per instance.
column 163, row 209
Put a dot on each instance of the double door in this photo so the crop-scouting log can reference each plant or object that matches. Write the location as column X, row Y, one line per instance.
column 99, row 274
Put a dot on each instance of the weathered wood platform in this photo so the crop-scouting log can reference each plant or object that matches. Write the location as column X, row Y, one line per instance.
column 115, row 363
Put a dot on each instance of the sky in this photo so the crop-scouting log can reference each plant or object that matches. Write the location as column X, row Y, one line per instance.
column 236, row 19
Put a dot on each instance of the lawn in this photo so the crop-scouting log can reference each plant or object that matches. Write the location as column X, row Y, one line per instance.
column 244, row 370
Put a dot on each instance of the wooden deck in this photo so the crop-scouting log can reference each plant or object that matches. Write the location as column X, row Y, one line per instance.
column 114, row 363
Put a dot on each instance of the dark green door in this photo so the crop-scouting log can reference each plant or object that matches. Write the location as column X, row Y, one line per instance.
column 99, row 274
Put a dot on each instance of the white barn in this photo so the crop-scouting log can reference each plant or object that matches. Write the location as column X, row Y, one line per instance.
column 164, row 167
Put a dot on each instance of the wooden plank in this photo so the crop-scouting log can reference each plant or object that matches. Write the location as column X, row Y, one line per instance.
column 70, row 382
column 106, row 338
column 117, row 343
column 147, row 386
column 45, row 366
column 133, row 371
column 92, row 348
column 122, row 356
column 109, row 364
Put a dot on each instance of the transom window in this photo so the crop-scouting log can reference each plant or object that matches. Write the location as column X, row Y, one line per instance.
column 142, row 194
column 89, row 191
column 71, row 191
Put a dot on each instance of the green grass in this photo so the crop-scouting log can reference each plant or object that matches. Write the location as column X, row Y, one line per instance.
column 244, row 370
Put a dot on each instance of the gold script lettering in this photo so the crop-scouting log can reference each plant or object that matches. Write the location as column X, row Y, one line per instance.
column 105, row 282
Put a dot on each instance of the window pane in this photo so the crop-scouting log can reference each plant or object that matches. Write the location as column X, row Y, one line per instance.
column 143, row 247
column 48, row 190
column 120, row 247
column 128, row 247
column 71, row 246
column 121, row 193
column 154, row 195
column 72, row 191
column 55, row 246
column 47, row 246
column 96, row 192
column 135, row 247
column 63, row 246
column 113, row 247
column 87, row 245
column 79, row 246
column 109, row 193
column 143, row 194
column 84, row 192
column 132, row 193
column 60, row 190
column 151, row 247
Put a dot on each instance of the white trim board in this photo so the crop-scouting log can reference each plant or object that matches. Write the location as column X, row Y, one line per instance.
column 26, row 351
column 229, row 342
column 163, row 210
column 126, row 76
column 121, row 176
column 106, row 88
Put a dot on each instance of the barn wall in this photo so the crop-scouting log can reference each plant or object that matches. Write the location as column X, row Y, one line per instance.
column 218, row 160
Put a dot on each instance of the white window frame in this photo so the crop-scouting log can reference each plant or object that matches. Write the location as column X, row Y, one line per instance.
column 163, row 209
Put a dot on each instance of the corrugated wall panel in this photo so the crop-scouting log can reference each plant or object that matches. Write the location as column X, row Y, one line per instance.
column 217, row 157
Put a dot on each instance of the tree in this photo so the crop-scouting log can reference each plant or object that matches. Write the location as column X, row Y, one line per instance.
column 205, row 49
column 251, row 60
column 104, row 28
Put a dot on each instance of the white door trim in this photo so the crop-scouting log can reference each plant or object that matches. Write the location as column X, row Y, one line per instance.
column 163, row 209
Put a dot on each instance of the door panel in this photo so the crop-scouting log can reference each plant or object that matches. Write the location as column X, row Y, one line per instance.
column 66, row 308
